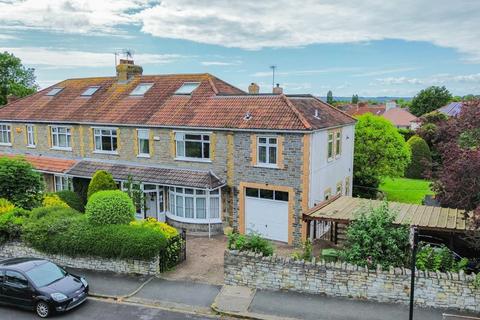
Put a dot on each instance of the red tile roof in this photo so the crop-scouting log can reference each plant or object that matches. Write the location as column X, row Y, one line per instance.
column 214, row 104
column 399, row 117
column 47, row 164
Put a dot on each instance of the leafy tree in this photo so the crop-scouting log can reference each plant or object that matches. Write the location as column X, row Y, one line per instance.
column 355, row 99
column 15, row 79
column 430, row 99
column 421, row 158
column 403, row 103
column 329, row 97
column 20, row 183
column 101, row 180
column 380, row 151
column 373, row 238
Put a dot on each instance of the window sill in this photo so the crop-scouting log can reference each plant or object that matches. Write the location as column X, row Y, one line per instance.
column 5, row 144
column 32, row 147
column 113, row 153
column 192, row 220
column 143, row 156
column 61, row 149
column 193, row 159
column 266, row 166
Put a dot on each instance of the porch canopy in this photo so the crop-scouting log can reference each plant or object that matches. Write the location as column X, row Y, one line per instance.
column 148, row 174
column 343, row 209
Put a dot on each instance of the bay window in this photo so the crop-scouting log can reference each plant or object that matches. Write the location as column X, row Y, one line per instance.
column 61, row 138
column 5, row 134
column 143, row 136
column 267, row 151
column 192, row 145
column 105, row 139
column 194, row 205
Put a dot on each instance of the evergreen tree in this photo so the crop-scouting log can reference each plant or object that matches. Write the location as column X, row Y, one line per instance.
column 330, row 97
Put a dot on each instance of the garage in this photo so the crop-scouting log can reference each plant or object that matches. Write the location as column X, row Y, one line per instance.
column 266, row 213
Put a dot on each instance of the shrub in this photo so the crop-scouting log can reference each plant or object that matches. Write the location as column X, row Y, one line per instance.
column 330, row 255
column 152, row 223
column 476, row 282
column 101, row 180
column 306, row 253
column 438, row 259
column 253, row 243
column 373, row 238
column 406, row 133
column 72, row 199
column 110, row 207
column 5, row 206
column 11, row 223
column 421, row 158
column 53, row 200
column 19, row 183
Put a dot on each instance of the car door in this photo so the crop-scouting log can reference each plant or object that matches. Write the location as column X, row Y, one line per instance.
column 2, row 293
column 17, row 290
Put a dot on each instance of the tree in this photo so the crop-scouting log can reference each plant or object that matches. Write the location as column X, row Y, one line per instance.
column 15, row 79
column 355, row 99
column 101, row 180
column 20, row 183
column 429, row 99
column 329, row 97
column 373, row 238
column 421, row 162
column 380, row 151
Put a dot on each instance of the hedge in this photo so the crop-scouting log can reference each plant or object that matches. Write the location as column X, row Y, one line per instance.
column 72, row 199
column 101, row 180
column 421, row 158
column 110, row 207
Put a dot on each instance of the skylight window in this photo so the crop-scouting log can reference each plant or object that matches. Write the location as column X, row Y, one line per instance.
column 90, row 91
column 187, row 88
column 141, row 89
column 54, row 91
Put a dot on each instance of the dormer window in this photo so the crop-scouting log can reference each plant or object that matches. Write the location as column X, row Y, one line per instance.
column 141, row 89
column 90, row 91
column 187, row 88
column 54, row 91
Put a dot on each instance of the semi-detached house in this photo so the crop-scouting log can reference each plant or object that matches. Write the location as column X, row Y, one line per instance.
column 206, row 153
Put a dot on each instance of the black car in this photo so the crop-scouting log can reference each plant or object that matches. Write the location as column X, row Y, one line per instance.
column 40, row 285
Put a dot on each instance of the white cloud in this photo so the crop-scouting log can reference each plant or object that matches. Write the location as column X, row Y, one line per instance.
column 253, row 24
column 436, row 79
column 382, row 72
column 220, row 63
column 56, row 58
column 7, row 37
column 400, row 80
column 262, row 74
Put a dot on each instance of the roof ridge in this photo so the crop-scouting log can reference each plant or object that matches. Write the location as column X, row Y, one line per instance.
column 297, row 113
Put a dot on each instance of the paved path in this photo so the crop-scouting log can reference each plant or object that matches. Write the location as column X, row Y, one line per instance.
column 101, row 310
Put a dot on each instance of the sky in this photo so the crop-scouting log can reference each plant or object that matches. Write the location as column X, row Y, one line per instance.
column 364, row 47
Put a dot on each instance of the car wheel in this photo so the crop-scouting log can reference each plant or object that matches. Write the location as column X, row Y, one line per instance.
column 42, row 309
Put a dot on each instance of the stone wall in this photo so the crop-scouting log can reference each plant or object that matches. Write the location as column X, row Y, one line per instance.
column 126, row 266
column 432, row 289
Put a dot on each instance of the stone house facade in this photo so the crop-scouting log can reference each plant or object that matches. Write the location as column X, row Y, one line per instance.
column 206, row 153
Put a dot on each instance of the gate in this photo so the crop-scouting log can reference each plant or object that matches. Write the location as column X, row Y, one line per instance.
column 174, row 253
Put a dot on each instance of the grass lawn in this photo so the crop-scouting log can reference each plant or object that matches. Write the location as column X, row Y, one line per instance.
column 406, row 190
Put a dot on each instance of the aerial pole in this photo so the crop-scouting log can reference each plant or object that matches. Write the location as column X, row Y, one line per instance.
column 273, row 67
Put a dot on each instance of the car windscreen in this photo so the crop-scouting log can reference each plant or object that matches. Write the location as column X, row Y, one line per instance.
column 45, row 274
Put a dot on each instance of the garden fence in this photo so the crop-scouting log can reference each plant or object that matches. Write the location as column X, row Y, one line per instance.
column 174, row 253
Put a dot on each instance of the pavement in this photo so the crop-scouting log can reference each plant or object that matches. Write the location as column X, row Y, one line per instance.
column 210, row 300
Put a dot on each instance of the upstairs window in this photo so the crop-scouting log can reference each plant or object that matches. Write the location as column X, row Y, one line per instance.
column 5, row 134
column 30, row 131
column 267, row 151
column 61, row 138
column 141, row 89
column 190, row 145
column 90, row 91
column 330, row 146
column 105, row 139
column 338, row 143
column 187, row 88
column 143, row 142
column 54, row 91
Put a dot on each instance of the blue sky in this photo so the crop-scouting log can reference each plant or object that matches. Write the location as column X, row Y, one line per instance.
column 370, row 47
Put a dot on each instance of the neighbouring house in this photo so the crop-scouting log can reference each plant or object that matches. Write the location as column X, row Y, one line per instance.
column 362, row 108
column 452, row 109
column 206, row 153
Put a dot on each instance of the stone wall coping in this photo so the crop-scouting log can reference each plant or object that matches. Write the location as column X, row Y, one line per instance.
column 258, row 258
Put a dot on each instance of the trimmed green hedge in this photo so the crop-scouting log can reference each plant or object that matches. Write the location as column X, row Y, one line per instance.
column 72, row 199
column 110, row 207
column 11, row 224
column 101, row 180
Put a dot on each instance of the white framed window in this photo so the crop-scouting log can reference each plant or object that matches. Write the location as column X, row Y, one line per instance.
column 266, row 194
column 338, row 143
column 143, row 141
column 54, row 91
column 105, row 140
column 330, row 146
column 5, row 134
column 192, row 145
column 61, row 138
column 267, row 151
column 141, row 89
column 187, row 88
column 62, row 183
column 30, row 131
column 90, row 91
column 194, row 205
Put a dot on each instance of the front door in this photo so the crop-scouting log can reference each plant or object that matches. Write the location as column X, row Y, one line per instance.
column 17, row 290
column 151, row 204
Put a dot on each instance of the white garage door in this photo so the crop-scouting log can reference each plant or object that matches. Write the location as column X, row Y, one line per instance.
column 266, row 213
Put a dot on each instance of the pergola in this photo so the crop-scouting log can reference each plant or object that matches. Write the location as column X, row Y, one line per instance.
column 344, row 209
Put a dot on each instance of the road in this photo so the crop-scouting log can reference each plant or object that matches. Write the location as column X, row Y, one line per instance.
column 102, row 310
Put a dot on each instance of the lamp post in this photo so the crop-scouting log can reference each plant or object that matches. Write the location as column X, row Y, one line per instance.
column 413, row 244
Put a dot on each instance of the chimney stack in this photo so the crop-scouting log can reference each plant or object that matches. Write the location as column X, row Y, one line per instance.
column 253, row 88
column 278, row 89
column 126, row 69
